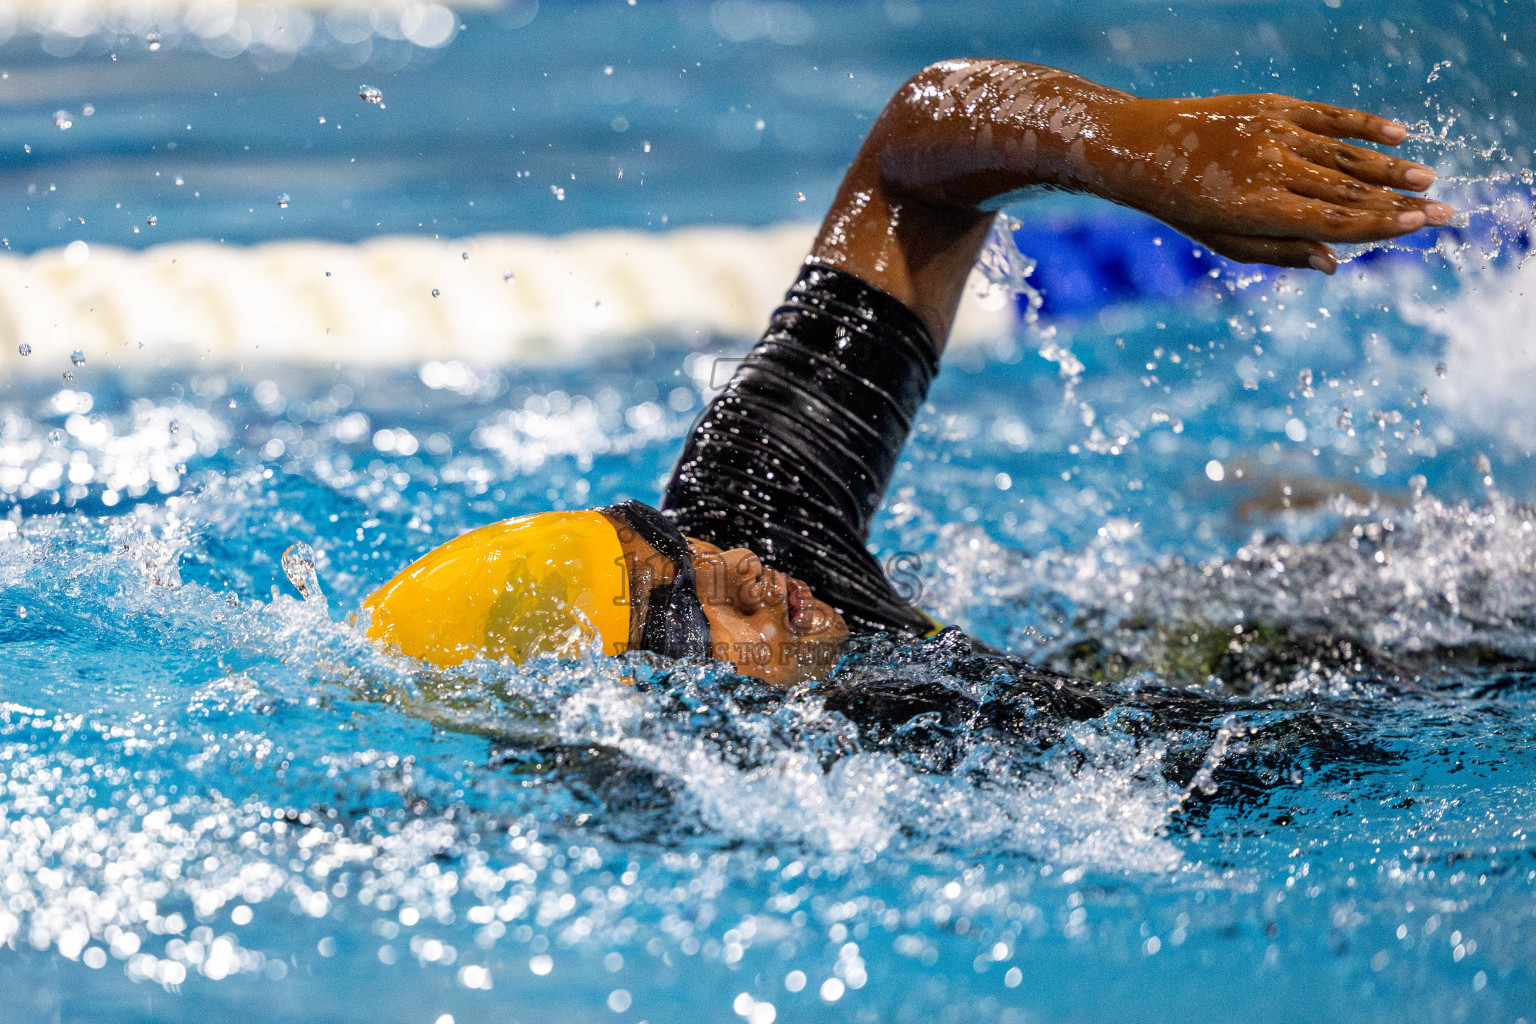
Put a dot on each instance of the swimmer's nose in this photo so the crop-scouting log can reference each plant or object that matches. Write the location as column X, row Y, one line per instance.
column 748, row 584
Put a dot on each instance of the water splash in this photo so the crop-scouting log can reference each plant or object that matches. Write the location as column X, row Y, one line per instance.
column 299, row 567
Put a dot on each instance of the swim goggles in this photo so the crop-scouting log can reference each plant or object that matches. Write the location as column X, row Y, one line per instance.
column 675, row 624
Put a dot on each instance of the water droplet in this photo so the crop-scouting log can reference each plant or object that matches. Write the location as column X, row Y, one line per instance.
column 508, row 276
column 370, row 94
column 1305, row 379
column 465, row 255
column 174, row 427
column 68, row 375
column 800, row 196
column 27, row 148
column 24, row 349
column 62, row 121
column 153, row 220
column 435, row 293
column 299, row 567
column 56, row 436
column 88, row 110
column 77, row 357
column 282, row 201
column 180, row 180
column 153, row 39
column 1440, row 368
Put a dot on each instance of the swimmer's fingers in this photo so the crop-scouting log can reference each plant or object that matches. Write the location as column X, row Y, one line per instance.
column 1365, row 165
column 1333, row 187
column 1344, row 123
column 1277, row 252
column 1288, row 215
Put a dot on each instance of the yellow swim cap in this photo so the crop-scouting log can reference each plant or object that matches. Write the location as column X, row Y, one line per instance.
column 539, row 584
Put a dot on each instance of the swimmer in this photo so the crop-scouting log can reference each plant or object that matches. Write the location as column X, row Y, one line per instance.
column 757, row 553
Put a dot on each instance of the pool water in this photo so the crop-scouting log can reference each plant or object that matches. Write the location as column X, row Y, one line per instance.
column 1302, row 501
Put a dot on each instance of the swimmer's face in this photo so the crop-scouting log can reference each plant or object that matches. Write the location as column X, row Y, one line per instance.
column 767, row 624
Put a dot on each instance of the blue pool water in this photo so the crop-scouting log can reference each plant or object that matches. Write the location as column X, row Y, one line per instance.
column 1302, row 499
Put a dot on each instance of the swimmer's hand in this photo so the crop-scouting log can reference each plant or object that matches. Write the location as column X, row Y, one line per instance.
column 1263, row 178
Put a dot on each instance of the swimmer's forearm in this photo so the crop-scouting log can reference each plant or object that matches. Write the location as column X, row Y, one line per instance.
column 965, row 134
column 914, row 208
column 1257, row 178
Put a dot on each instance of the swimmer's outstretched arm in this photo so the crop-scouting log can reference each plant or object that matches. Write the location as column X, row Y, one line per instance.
column 1259, row 179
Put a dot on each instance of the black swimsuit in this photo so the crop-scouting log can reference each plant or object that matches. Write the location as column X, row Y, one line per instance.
column 793, row 458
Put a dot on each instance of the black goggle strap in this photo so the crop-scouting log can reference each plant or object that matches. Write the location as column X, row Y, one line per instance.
column 675, row 624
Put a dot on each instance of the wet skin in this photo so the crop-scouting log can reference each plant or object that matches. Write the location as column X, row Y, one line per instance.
column 765, row 622
column 1258, row 179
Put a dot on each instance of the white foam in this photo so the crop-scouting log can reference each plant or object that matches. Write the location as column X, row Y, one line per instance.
column 514, row 299
column 1489, row 359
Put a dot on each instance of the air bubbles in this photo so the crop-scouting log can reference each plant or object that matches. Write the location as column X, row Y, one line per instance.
column 371, row 94
column 63, row 121
column 754, row 1010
